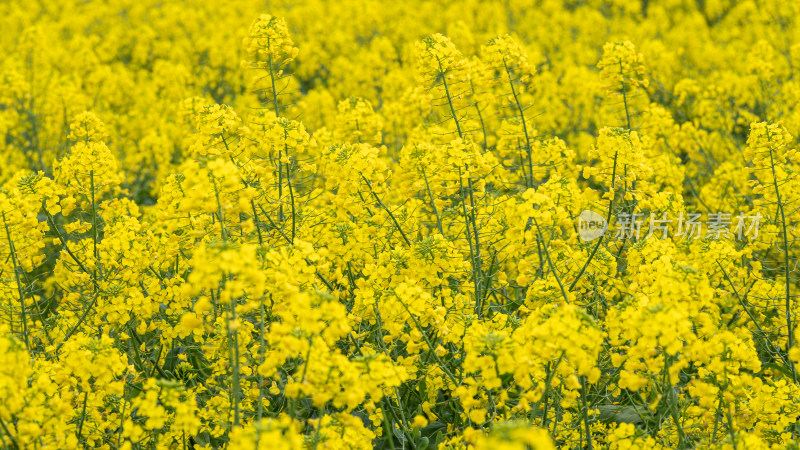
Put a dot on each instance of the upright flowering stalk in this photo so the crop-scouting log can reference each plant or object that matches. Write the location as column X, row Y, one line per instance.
column 483, row 99
column 87, row 175
column 22, row 246
column 444, row 70
column 510, row 61
column 774, row 164
column 271, row 49
column 622, row 70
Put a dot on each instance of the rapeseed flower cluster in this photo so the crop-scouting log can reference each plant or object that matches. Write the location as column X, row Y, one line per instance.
column 363, row 224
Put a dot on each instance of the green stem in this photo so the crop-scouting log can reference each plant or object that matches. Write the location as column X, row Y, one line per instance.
column 433, row 203
column 380, row 202
column 585, row 414
column 291, row 197
column 529, row 179
column 95, row 236
column 478, row 262
column 550, row 261
column 83, row 415
column 233, row 335
column 787, row 282
column 19, row 284
column 449, row 98
column 80, row 321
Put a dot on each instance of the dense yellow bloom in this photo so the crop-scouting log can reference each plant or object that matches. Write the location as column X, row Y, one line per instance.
column 374, row 224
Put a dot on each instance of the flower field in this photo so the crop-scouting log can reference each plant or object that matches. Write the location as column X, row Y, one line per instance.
column 466, row 224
